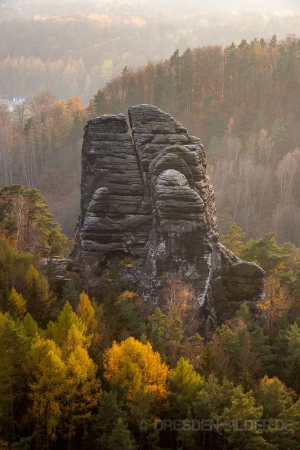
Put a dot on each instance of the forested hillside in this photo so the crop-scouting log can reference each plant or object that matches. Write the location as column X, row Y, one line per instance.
column 93, row 369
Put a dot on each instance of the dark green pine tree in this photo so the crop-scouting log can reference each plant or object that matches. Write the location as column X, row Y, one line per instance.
column 120, row 438
column 71, row 294
column 174, row 335
column 29, row 124
column 187, row 435
column 106, row 420
column 110, row 429
column 158, row 329
column 234, row 240
column 14, row 345
column 265, row 355
column 100, row 103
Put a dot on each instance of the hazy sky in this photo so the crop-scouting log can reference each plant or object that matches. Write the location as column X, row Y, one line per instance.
column 181, row 7
column 192, row 5
column 244, row 5
column 236, row 5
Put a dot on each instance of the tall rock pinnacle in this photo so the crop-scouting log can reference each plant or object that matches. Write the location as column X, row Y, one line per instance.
column 148, row 197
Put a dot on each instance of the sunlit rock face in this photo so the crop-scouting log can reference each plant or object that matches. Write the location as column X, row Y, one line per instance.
column 147, row 196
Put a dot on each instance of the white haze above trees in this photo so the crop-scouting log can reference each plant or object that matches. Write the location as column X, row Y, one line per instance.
column 186, row 6
column 94, row 40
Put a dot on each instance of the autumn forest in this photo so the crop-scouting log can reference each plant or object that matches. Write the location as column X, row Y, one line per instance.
column 85, row 367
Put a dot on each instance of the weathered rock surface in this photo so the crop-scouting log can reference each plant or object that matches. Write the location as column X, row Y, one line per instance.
column 148, row 197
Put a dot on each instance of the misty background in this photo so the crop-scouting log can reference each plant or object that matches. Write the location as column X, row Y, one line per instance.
column 240, row 99
column 75, row 47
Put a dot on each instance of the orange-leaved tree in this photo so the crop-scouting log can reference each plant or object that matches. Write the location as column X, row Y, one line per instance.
column 132, row 365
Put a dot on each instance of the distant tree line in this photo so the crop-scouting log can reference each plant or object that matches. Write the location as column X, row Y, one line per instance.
column 257, row 77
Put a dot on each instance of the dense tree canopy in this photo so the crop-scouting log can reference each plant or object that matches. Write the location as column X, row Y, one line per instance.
column 53, row 372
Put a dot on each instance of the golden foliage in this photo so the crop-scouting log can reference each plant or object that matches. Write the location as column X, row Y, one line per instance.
column 133, row 364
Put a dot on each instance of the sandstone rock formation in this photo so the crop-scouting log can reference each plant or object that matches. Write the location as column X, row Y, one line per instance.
column 148, row 197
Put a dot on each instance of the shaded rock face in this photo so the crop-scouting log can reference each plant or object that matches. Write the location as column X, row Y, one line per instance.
column 148, row 197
